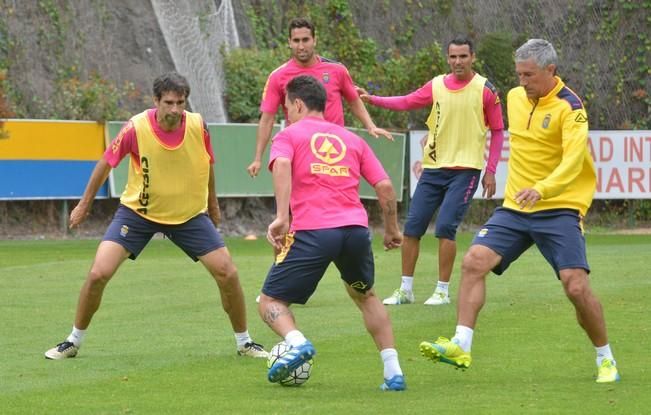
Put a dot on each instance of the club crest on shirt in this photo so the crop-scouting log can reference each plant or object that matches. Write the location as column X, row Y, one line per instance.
column 330, row 149
column 325, row 77
column 546, row 120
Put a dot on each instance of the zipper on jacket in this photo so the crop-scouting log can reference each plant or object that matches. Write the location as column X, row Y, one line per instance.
column 531, row 113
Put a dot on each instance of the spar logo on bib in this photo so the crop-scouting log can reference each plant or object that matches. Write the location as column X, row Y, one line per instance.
column 330, row 149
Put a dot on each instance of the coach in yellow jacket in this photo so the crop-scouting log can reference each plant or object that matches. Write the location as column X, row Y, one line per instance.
column 550, row 185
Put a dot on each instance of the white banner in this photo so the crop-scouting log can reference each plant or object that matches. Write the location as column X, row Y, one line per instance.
column 622, row 159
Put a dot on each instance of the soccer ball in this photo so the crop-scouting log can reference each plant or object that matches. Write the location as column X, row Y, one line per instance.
column 298, row 376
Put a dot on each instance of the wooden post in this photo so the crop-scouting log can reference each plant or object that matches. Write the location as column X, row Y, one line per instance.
column 64, row 216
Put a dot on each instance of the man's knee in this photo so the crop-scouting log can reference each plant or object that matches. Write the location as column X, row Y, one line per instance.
column 479, row 260
column 575, row 282
column 220, row 264
column 98, row 277
column 226, row 272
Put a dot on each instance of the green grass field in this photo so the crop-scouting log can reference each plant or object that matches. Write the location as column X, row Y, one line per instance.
column 161, row 344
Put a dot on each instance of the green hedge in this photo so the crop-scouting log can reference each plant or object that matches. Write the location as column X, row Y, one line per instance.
column 381, row 72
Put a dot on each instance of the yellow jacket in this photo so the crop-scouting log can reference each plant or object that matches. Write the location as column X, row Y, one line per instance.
column 549, row 150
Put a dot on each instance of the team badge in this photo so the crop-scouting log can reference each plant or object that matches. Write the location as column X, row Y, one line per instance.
column 326, row 77
column 546, row 120
column 124, row 230
column 483, row 232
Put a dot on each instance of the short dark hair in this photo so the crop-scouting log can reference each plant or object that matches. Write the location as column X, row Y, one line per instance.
column 460, row 40
column 309, row 90
column 171, row 82
column 299, row 23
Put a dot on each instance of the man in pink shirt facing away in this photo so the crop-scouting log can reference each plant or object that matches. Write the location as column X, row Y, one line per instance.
column 304, row 61
column 464, row 106
column 316, row 167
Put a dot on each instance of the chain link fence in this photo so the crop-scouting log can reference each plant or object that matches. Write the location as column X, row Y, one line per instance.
column 604, row 46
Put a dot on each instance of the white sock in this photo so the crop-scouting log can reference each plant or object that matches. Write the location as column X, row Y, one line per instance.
column 604, row 352
column 76, row 337
column 463, row 337
column 391, row 364
column 407, row 283
column 242, row 338
column 442, row 287
column 295, row 338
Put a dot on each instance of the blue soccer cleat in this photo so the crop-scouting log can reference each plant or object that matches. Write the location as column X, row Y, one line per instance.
column 290, row 361
column 396, row 383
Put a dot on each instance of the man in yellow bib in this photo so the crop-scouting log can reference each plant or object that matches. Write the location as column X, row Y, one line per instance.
column 464, row 106
column 171, row 190
column 549, row 189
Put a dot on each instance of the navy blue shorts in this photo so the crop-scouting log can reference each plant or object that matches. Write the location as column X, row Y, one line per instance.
column 557, row 233
column 196, row 237
column 299, row 267
column 449, row 189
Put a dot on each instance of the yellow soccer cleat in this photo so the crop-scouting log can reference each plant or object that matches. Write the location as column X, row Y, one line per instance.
column 446, row 351
column 608, row 372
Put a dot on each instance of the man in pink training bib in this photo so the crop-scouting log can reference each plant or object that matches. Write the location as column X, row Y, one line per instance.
column 333, row 76
column 464, row 106
column 317, row 167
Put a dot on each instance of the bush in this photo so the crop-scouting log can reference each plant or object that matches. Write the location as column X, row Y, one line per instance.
column 94, row 99
column 246, row 74
column 384, row 74
column 495, row 61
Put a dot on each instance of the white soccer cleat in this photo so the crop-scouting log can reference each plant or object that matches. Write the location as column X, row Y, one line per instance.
column 438, row 298
column 62, row 350
column 398, row 297
column 252, row 349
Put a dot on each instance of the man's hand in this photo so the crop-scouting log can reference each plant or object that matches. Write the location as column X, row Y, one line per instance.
column 363, row 94
column 392, row 239
column 527, row 198
column 254, row 168
column 78, row 214
column 276, row 232
column 377, row 132
column 488, row 184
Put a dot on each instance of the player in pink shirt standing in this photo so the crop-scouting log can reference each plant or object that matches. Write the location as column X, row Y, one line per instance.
column 304, row 61
column 316, row 167
column 464, row 106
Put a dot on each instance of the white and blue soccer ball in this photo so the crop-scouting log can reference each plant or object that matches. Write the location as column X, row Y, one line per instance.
column 298, row 376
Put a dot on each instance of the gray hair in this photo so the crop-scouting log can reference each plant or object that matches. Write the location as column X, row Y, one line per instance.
column 540, row 50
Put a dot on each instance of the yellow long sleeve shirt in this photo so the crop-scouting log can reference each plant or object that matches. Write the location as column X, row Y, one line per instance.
column 549, row 150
